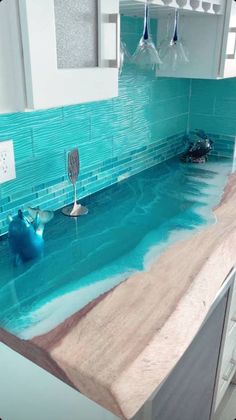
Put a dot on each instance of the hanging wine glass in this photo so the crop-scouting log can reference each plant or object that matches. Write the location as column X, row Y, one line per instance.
column 175, row 53
column 124, row 55
column 146, row 55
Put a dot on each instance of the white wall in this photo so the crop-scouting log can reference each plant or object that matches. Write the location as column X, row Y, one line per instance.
column 27, row 392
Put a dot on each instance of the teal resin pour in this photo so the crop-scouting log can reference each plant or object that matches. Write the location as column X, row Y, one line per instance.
column 127, row 228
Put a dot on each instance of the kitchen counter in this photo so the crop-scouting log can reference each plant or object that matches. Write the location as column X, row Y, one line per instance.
column 119, row 347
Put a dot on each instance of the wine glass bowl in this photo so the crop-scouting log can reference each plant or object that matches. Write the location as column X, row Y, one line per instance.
column 194, row 4
column 146, row 55
column 167, row 2
column 206, row 6
column 181, row 3
column 216, row 8
column 173, row 53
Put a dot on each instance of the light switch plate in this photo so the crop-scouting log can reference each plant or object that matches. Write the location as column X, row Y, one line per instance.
column 7, row 161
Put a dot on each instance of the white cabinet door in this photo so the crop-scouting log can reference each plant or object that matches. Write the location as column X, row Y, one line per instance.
column 228, row 58
column 201, row 34
column 210, row 41
column 12, row 88
column 71, row 51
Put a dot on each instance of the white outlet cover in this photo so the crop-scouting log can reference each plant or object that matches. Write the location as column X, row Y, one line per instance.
column 7, row 161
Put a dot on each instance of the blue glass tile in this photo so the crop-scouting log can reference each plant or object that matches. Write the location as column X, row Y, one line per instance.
column 29, row 119
column 61, row 135
column 5, row 200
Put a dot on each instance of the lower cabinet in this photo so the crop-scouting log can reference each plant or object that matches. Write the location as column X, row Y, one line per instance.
column 227, row 363
column 188, row 391
column 194, row 387
column 199, row 381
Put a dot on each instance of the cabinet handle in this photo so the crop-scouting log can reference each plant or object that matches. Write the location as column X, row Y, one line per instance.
column 115, row 18
column 105, row 57
column 229, row 370
column 232, row 56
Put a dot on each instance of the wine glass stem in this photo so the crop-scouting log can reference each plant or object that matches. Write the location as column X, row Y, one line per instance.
column 75, row 196
column 146, row 23
column 175, row 36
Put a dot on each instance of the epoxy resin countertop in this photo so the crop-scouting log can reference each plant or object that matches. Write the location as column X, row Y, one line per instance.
column 120, row 294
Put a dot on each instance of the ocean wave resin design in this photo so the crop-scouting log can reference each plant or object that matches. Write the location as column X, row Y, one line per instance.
column 127, row 228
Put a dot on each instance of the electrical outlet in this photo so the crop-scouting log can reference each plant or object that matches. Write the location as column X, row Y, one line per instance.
column 7, row 161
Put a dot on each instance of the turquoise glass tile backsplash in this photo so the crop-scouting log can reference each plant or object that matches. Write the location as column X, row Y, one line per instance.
column 116, row 138
column 213, row 106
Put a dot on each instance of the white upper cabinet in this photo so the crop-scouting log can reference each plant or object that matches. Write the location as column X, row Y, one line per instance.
column 63, row 52
column 12, row 81
column 207, row 29
column 71, row 50
column 202, row 37
column 210, row 41
column 57, row 52
column 228, row 57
